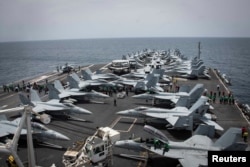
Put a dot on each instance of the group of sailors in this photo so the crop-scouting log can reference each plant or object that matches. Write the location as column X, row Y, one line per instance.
column 223, row 98
column 24, row 87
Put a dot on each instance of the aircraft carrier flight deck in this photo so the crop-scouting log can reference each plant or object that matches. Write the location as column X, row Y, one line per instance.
column 228, row 115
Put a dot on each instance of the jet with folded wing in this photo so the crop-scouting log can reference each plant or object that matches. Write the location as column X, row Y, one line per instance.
column 52, row 107
column 58, row 91
column 193, row 95
column 151, row 81
column 87, row 74
column 191, row 152
column 194, row 151
column 76, row 82
column 178, row 117
column 39, row 131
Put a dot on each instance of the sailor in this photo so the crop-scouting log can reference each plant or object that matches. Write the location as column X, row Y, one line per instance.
column 156, row 143
column 245, row 135
column 243, row 129
column 114, row 102
column 218, row 87
column 166, row 148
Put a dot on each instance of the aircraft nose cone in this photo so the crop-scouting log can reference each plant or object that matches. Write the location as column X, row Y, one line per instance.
column 60, row 136
column 120, row 144
column 125, row 112
column 103, row 95
column 136, row 96
column 56, row 135
column 80, row 110
column 85, row 111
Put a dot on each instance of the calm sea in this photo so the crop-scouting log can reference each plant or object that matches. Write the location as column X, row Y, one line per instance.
column 24, row 59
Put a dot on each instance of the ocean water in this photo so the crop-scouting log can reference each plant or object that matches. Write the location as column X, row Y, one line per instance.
column 21, row 60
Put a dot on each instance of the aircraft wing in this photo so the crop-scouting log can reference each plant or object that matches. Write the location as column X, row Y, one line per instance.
column 173, row 98
column 171, row 118
column 63, row 95
column 71, row 93
column 50, row 106
column 186, row 157
column 193, row 160
column 166, row 115
column 38, row 109
column 7, row 129
column 207, row 121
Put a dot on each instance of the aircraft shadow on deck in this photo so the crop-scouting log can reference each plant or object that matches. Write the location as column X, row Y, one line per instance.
column 77, row 130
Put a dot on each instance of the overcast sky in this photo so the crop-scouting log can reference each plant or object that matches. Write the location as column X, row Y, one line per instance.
column 22, row 20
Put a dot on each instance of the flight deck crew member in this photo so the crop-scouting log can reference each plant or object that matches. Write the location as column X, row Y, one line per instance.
column 166, row 148
column 156, row 143
column 245, row 135
column 243, row 129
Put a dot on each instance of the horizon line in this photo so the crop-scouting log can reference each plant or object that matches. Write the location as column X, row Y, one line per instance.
column 41, row 40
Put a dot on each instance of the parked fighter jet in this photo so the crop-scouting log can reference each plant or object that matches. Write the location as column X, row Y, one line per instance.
column 191, row 152
column 51, row 107
column 89, row 75
column 193, row 95
column 58, row 91
column 39, row 131
column 76, row 82
column 136, row 143
column 151, row 81
column 194, row 151
column 142, row 73
column 178, row 117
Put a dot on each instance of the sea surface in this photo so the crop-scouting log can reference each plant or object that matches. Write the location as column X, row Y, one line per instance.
column 19, row 60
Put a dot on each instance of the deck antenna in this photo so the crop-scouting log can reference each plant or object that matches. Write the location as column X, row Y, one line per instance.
column 199, row 50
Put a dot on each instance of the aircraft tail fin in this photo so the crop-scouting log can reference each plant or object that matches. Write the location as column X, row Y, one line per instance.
column 53, row 92
column 34, row 95
column 160, row 72
column 86, row 74
column 152, row 80
column 205, row 130
column 183, row 102
column 198, row 71
column 72, row 82
column 75, row 77
column 229, row 139
column 196, row 92
column 238, row 146
column 58, row 85
column 199, row 108
column 184, row 122
column 3, row 117
column 99, row 71
column 23, row 99
column 184, row 88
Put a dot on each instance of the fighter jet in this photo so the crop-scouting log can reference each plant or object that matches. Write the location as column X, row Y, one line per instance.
column 178, row 117
column 193, row 95
column 151, row 81
column 58, row 91
column 76, row 82
column 194, row 151
column 39, row 131
column 87, row 74
column 52, row 107
column 189, row 69
column 142, row 73
column 191, row 152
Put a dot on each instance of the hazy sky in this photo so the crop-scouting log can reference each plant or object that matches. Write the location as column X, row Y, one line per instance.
column 69, row 19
